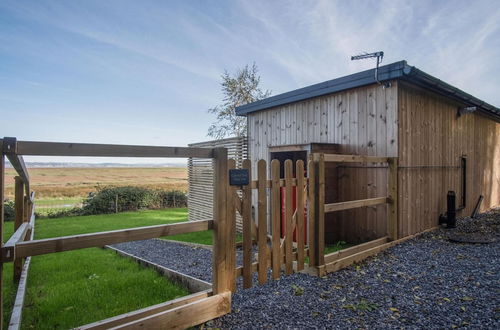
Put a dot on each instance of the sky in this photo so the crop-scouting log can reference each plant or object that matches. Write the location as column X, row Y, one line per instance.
column 145, row 72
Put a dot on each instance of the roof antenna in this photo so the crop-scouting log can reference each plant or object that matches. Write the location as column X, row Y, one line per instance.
column 379, row 56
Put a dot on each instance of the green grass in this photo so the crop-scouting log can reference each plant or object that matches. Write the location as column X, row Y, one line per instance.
column 77, row 287
column 340, row 245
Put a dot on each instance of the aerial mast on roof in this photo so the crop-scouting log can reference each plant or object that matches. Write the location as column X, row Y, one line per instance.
column 378, row 55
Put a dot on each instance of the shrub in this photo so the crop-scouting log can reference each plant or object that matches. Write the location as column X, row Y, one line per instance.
column 129, row 198
column 9, row 210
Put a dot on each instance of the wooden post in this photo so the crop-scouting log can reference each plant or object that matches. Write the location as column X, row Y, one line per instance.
column 299, row 174
column 231, row 230
column 288, row 217
column 262, row 218
column 311, row 170
column 320, row 209
column 220, row 276
column 19, row 219
column 2, row 187
column 247, row 229
column 392, row 216
column 317, row 210
column 275, row 214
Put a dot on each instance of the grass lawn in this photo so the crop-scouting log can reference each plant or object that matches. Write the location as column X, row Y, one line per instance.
column 73, row 288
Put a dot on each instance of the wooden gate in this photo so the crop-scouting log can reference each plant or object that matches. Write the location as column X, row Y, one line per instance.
column 282, row 202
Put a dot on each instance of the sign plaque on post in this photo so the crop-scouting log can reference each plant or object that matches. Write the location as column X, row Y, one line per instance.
column 238, row 177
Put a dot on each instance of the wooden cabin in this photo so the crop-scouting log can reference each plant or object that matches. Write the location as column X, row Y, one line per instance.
column 445, row 139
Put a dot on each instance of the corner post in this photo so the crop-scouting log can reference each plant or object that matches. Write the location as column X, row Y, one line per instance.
column 221, row 277
column 392, row 216
column 2, row 186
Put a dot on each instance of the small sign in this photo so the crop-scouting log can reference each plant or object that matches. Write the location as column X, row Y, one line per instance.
column 238, row 177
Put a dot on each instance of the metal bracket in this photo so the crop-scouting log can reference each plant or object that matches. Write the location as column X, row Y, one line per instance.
column 9, row 145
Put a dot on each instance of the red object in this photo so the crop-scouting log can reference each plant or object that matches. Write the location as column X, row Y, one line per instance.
column 294, row 207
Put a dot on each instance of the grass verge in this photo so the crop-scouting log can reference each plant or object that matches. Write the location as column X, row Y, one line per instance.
column 77, row 287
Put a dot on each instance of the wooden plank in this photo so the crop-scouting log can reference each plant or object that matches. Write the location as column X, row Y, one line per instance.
column 262, row 218
column 220, row 277
column 19, row 219
column 2, row 190
column 288, row 217
column 18, row 164
column 108, row 150
column 18, row 236
column 392, row 216
column 68, row 243
column 354, row 159
column 300, row 214
column 144, row 312
column 255, row 265
column 333, row 207
column 231, row 230
column 185, row 316
column 247, row 229
column 311, row 170
column 355, row 249
column 320, row 218
column 357, row 257
column 275, row 217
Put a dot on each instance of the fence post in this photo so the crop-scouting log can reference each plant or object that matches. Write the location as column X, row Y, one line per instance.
column 19, row 219
column 392, row 219
column 221, row 250
column 317, row 212
column 2, row 186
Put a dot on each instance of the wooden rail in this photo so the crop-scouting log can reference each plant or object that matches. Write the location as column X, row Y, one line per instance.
column 108, row 150
column 333, row 207
column 185, row 316
column 354, row 159
column 74, row 242
column 145, row 312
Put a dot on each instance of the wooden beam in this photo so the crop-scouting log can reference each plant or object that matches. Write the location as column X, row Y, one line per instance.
column 333, row 207
column 247, row 229
column 275, row 218
column 20, row 209
column 355, row 249
column 221, row 275
column 18, row 164
column 320, row 213
column 360, row 256
column 17, row 309
column 107, row 150
column 354, row 159
column 2, row 190
column 392, row 216
column 262, row 220
column 18, row 236
column 144, row 312
column 186, row 316
column 68, row 243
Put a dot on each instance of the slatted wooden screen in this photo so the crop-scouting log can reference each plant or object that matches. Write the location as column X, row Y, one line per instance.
column 276, row 252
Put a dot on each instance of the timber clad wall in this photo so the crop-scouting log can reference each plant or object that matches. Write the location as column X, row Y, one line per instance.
column 416, row 125
column 431, row 133
column 201, row 174
column 363, row 121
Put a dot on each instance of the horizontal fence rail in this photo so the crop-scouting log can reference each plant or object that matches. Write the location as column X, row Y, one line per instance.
column 68, row 243
column 333, row 207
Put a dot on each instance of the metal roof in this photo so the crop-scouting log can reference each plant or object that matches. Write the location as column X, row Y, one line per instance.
column 398, row 70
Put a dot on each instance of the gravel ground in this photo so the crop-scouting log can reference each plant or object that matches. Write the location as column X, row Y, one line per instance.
column 426, row 282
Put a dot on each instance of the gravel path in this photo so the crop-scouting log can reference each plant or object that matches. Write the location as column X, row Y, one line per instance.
column 427, row 282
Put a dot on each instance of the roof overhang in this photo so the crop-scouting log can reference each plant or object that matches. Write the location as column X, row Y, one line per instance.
column 398, row 70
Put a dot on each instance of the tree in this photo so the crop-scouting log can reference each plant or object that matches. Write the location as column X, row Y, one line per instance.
column 241, row 89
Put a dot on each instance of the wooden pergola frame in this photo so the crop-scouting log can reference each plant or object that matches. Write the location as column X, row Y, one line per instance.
column 179, row 313
column 332, row 262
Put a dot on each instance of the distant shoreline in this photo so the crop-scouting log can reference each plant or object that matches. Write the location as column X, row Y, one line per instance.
column 93, row 165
